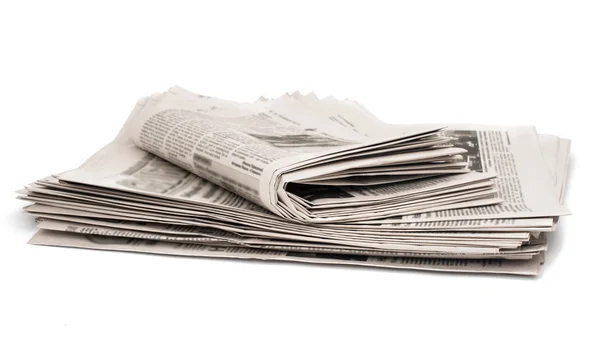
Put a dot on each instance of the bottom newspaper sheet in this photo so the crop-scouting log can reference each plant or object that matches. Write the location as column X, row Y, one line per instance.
column 68, row 239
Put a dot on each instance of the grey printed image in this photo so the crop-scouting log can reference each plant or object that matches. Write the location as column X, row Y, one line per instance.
column 329, row 256
column 468, row 140
column 153, row 175
column 108, row 240
column 308, row 139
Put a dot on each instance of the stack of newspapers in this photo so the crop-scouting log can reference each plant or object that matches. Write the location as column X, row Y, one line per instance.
column 298, row 178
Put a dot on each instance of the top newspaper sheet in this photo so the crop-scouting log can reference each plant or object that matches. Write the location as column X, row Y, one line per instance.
column 209, row 137
column 512, row 153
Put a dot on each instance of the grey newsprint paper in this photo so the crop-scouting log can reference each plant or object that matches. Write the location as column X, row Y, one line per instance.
column 303, row 179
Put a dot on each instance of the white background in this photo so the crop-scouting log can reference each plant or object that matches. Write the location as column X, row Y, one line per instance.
column 71, row 72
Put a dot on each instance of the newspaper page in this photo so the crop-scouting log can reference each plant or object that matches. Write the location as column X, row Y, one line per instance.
column 231, row 145
column 512, row 153
column 123, row 166
column 524, row 182
column 245, row 148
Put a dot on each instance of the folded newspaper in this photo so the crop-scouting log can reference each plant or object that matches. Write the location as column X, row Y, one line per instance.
column 299, row 178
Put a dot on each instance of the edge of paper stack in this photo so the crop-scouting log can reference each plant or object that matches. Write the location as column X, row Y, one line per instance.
column 298, row 178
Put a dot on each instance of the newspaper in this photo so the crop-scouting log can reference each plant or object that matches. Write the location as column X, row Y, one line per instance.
column 511, row 153
column 467, row 198
column 121, row 165
column 283, row 157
